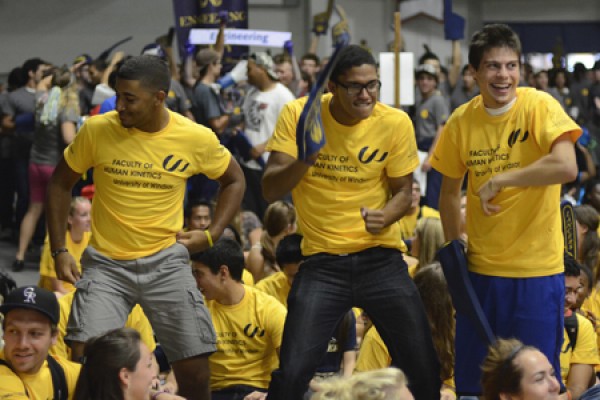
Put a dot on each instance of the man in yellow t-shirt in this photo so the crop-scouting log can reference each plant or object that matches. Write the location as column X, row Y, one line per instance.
column 248, row 322
column 349, row 195
column 31, row 316
column 142, row 155
column 578, row 359
column 516, row 146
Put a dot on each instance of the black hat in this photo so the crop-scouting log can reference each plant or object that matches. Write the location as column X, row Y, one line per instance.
column 32, row 298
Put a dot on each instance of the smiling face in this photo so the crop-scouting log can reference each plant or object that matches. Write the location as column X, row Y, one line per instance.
column 498, row 76
column 137, row 106
column 27, row 338
column 572, row 288
column 347, row 109
column 208, row 283
column 426, row 84
column 538, row 381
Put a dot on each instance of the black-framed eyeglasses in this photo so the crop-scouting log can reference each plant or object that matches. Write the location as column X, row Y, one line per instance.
column 354, row 89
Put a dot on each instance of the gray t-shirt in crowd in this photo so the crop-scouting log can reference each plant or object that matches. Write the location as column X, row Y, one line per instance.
column 48, row 142
column 205, row 104
column 430, row 115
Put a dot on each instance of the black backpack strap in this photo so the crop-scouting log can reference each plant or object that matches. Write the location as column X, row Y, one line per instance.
column 59, row 381
column 572, row 327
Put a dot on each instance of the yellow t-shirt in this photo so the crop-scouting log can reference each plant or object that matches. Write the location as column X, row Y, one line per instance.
column 47, row 262
column 408, row 223
column 592, row 305
column 586, row 348
column 137, row 320
column 248, row 337
column 141, row 178
column 247, row 278
column 351, row 172
column 38, row 385
column 524, row 239
column 276, row 285
column 373, row 353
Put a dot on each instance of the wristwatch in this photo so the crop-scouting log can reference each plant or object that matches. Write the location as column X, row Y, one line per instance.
column 58, row 251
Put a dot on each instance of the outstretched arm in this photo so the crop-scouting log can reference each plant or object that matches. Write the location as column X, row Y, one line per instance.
column 557, row 167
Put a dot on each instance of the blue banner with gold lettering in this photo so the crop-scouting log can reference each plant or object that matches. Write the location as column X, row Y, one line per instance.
column 205, row 14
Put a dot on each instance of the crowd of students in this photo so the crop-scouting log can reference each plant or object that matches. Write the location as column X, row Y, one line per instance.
column 239, row 269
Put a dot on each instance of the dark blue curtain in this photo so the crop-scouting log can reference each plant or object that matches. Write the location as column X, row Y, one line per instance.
column 204, row 14
column 542, row 37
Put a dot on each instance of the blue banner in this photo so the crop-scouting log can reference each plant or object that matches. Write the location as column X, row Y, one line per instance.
column 205, row 14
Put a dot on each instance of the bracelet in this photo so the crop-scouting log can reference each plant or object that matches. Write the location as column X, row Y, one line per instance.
column 58, row 251
column 209, row 238
column 156, row 394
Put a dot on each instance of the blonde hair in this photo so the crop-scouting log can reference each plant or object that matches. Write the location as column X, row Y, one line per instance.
column 431, row 237
column 370, row 385
column 74, row 201
column 278, row 216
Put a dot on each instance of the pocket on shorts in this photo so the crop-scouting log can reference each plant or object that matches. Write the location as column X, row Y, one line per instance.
column 177, row 255
column 203, row 318
column 78, row 318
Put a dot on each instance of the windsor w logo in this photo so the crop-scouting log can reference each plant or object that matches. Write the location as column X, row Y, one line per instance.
column 516, row 136
column 175, row 166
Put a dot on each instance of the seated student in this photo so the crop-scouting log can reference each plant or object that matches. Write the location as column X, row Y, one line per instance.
column 513, row 371
column 278, row 222
column 31, row 316
column 118, row 365
column 586, row 277
column 248, row 323
column 381, row 384
column 429, row 238
column 136, row 320
column 198, row 217
column 431, row 283
column 78, row 236
column 579, row 353
column 197, row 214
column 408, row 223
column 341, row 353
column 289, row 257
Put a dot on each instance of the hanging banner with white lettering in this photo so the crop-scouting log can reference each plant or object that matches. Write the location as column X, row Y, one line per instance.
column 241, row 37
